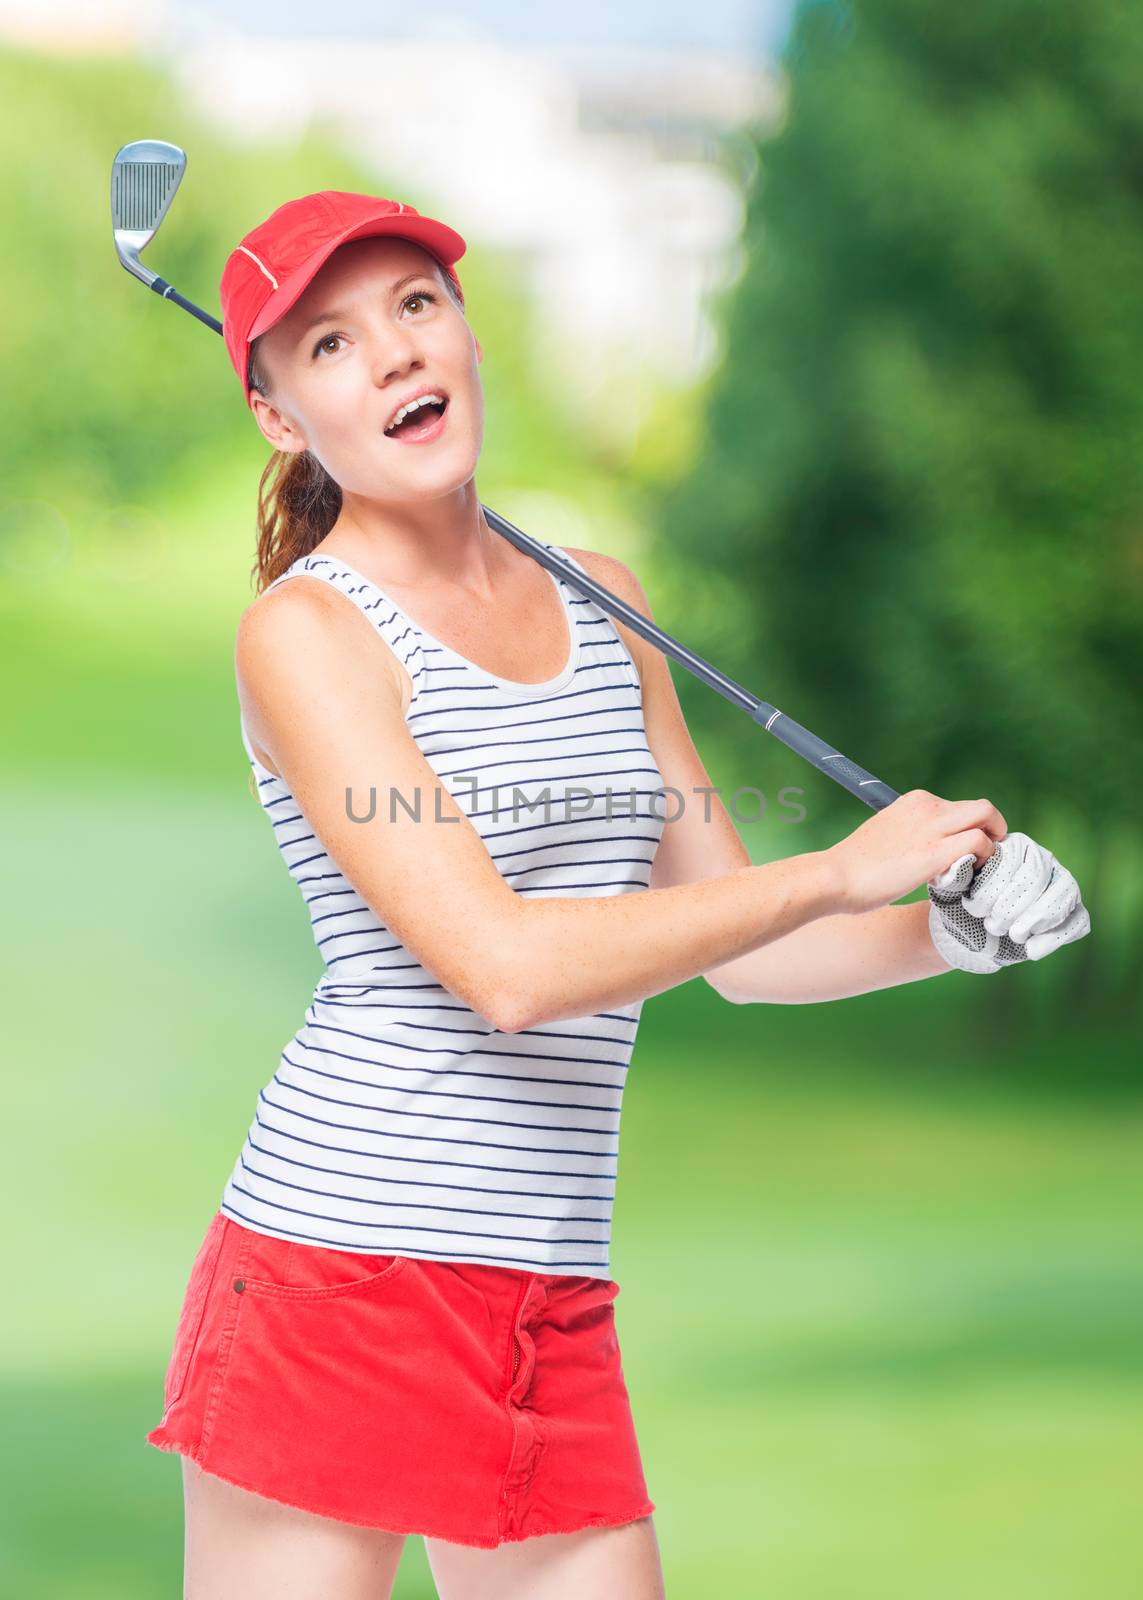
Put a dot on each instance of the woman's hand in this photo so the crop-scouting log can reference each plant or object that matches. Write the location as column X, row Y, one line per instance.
column 915, row 839
column 1022, row 906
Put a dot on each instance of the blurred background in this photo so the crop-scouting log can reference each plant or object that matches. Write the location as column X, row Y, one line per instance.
column 826, row 318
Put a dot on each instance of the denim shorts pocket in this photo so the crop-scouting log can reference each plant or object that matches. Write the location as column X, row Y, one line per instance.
column 202, row 1274
column 288, row 1270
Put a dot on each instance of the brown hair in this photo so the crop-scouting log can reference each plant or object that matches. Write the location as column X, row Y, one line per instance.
column 298, row 501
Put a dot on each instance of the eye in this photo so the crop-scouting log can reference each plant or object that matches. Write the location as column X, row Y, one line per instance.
column 328, row 338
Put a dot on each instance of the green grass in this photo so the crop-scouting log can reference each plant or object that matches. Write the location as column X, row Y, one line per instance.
column 881, row 1308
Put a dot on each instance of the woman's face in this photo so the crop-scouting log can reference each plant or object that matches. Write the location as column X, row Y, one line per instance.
column 374, row 326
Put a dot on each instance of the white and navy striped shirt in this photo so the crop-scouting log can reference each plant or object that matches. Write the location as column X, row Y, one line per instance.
column 400, row 1121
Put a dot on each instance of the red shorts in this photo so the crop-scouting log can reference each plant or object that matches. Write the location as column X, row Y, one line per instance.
column 452, row 1399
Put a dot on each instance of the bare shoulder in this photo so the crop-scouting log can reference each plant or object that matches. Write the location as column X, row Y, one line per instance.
column 617, row 576
column 286, row 615
column 306, row 614
column 280, row 626
column 300, row 632
column 288, row 599
column 610, row 570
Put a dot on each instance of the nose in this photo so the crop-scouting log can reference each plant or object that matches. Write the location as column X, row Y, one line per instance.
column 395, row 352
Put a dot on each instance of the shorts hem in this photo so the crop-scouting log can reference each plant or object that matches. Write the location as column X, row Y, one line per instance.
column 162, row 1441
column 586, row 1522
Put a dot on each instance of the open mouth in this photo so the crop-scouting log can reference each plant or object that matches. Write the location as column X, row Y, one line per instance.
column 422, row 425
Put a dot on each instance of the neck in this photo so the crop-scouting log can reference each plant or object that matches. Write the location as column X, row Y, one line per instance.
column 430, row 544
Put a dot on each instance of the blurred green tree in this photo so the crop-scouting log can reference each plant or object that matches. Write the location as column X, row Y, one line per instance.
column 921, row 465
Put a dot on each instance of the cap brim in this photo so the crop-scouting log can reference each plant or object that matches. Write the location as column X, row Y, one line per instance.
column 440, row 240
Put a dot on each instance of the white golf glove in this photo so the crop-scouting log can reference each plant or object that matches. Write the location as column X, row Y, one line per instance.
column 1023, row 906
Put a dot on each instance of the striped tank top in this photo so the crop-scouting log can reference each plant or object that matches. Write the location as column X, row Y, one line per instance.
column 400, row 1121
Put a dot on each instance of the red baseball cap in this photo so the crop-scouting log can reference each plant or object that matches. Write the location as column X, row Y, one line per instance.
column 268, row 271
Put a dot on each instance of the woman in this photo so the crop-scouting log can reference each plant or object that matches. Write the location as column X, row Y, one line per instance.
column 400, row 1319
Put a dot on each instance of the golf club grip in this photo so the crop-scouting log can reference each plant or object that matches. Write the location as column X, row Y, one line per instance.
column 841, row 769
column 164, row 289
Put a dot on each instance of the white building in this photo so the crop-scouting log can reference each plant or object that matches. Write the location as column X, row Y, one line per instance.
column 599, row 169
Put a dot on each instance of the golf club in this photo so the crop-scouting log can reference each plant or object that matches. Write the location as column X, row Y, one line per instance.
column 144, row 177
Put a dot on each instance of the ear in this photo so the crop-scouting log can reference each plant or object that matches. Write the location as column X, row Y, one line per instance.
column 479, row 351
column 276, row 427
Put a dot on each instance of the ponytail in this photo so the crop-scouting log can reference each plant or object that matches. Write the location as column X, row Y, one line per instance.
column 298, row 502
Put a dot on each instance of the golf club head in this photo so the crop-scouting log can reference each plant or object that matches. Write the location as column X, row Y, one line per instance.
column 144, row 177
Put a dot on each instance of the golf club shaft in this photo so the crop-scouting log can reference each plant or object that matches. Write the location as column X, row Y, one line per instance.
column 840, row 768
column 164, row 289
column 863, row 784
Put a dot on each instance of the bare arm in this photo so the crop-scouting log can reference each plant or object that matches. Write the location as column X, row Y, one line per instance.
column 828, row 958
column 320, row 694
column 835, row 957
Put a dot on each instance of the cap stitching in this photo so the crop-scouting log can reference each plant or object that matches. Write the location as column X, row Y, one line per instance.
column 259, row 264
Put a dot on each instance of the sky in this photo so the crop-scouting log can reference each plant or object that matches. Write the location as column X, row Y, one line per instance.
column 753, row 27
